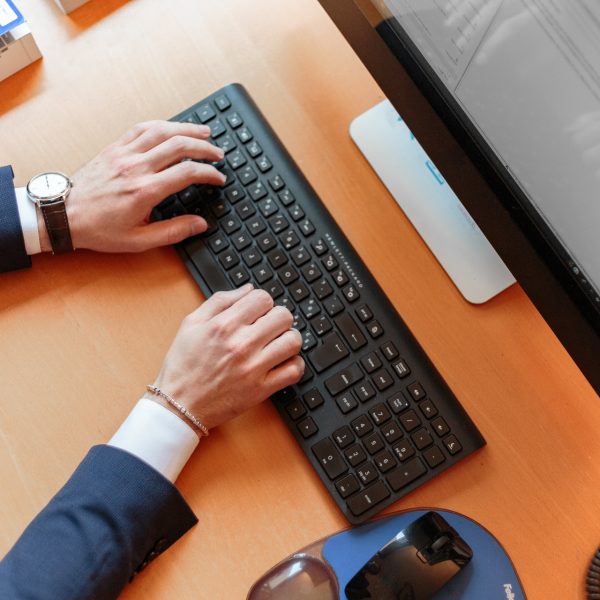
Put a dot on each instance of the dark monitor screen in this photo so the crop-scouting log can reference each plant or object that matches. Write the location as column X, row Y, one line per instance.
column 516, row 83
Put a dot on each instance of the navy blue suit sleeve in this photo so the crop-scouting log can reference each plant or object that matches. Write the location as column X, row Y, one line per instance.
column 113, row 516
column 12, row 245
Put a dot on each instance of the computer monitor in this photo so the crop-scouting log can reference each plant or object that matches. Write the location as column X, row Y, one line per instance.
column 504, row 96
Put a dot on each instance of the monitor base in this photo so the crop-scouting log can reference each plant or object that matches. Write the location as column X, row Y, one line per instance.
column 431, row 206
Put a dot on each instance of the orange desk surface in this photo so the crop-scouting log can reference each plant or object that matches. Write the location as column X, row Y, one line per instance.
column 81, row 335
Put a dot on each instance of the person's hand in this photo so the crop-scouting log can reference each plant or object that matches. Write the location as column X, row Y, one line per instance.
column 112, row 196
column 231, row 353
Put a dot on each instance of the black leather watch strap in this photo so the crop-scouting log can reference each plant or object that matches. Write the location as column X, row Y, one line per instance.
column 57, row 226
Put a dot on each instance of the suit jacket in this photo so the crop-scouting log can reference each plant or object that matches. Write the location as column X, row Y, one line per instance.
column 12, row 245
column 113, row 516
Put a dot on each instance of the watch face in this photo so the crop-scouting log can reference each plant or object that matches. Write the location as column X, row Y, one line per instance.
column 48, row 186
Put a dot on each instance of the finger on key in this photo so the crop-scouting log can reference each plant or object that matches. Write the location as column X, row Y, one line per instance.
column 289, row 373
column 219, row 302
column 277, row 321
column 281, row 349
column 248, row 309
column 160, row 131
column 180, row 147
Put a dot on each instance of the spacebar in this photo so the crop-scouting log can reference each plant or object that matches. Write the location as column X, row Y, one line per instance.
column 207, row 266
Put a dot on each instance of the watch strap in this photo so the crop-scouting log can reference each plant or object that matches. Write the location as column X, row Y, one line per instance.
column 57, row 226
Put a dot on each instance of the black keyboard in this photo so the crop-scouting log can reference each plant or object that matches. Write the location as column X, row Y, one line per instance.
column 372, row 414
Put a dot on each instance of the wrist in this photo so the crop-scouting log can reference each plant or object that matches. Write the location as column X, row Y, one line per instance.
column 162, row 402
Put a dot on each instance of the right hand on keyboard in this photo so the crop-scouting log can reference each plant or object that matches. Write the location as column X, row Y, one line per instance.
column 233, row 352
column 112, row 196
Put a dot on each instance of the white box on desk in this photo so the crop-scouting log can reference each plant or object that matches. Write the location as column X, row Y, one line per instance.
column 17, row 46
column 70, row 5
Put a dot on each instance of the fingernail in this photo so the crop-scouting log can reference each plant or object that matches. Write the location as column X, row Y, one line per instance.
column 199, row 225
column 204, row 129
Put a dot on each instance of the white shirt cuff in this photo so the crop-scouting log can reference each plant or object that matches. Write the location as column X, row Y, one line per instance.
column 158, row 437
column 29, row 223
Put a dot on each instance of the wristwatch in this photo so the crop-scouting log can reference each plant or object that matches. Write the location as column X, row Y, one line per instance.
column 50, row 191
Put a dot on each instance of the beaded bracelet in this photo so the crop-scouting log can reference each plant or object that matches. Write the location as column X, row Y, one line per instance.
column 182, row 409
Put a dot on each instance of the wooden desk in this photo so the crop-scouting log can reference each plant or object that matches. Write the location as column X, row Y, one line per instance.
column 82, row 335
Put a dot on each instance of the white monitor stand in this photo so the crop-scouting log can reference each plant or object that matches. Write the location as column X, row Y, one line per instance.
column 429, row 203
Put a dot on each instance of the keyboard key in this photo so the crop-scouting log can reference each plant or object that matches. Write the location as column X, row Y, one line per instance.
column 401, row 368
column 385, row 461
column 268, row 207
column 370, row 362
column 239, row 276
column 433, row 457
column 364, row 313
column 311, row 272
column 406, row 474
column 351, row 293
column 355, row 455
column 229, row 259
column 333, row 306
column 428, row 408
column 307, row 427
column 368, row 498
column 256, row 226
column 347, row 485
column 287, row 275
column 262, row 273
column 389, row 350
column 340, row 277
column 366, row 474
column 309, row 340
column 310, row 308
column 226, row 143
column 286, row 197
column 373, row 443
column 382, row 379
column 251, row 256
column 403, row 450
column 346, row 402
column 320, row 247
column 256, row 190
column 222, row 102
column 344, row 379
column 189, row 196
column 278, row 223
column 375, row 329
column 440, row 426
column 351, row 331
column 307, row 227
column 254, row 149
column 330, row 352
column 329, row 458
column 300, row 256
column 452, row 445
column 416, row 390
column 264, row 164
column 241, row 240
column 220, row 209
column 313, row 399
column 380, row 414
column 296, row 212
column 343, row 437
column 322, row 289
column 266, row 242
column 362, row 425
column 422, row 439
column 391, row 432
column 398, row 403
column 321, row 325
column 247, row 175
column 276, row 183
column 246, row 210
column 277, row 258
column 410, row 421
column 236, row 159
column 217, row 128
column 364, row 391
column 289, row 239
column 330, row 262
column 218, row 243
column 299, row 291
column 205, row 113
column 230, row 224
column 295, row 409
column 235, row 193
column 235, row 120
column 275, row 289
column 244, row 135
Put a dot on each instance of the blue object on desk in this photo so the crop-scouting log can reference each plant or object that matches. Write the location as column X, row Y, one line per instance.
column 490, row 574
column 10, row 16
column 323, row 569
